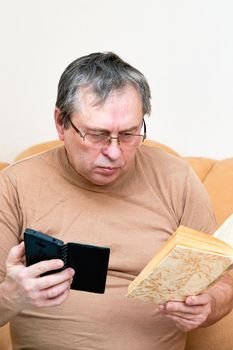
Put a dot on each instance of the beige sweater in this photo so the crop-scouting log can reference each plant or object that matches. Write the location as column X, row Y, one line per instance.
column 133, row 216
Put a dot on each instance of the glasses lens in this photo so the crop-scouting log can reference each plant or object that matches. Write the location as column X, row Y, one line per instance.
column 125, row 140
column 130, row 139
column 97, row 139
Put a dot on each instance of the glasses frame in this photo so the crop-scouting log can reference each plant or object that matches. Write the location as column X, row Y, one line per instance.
column 110, row 137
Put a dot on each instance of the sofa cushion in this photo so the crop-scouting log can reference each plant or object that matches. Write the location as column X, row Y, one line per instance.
column 3, row 165
column 202, row 166
column 219, row 185
column 215, row 337
column 38, row 148
column 5, row 341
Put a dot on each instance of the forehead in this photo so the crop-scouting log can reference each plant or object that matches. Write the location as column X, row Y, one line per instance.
column 88, row 97
column 121, row 105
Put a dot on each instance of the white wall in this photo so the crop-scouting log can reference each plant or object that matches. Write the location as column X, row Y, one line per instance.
column 184, row 47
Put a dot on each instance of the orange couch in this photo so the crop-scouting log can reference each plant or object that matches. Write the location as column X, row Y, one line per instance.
column 217, row 177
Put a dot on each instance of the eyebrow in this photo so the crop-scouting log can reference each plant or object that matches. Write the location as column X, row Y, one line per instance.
column 133, row 128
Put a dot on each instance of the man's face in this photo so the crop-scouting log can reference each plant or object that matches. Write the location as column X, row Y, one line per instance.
column 121, row 112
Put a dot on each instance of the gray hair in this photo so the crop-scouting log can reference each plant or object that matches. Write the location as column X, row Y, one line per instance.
column 103, row 73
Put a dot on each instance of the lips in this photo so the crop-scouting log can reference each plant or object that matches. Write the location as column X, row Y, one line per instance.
column 107, row 170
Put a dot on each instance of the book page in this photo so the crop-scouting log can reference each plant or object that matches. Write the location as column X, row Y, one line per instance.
column 225, row 231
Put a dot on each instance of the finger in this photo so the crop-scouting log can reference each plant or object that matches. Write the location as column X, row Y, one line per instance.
column 56, row 290
column 54, row 301
column 201, row 299
column 60, row 299
column 41, row 267
column 187, row 315
column 175, row 307
column 182, row 309
column 183, row 324
column 56, row 278
column 16, row 254
column 188, row 323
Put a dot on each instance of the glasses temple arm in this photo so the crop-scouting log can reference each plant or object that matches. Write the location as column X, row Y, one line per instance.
column 144, row 129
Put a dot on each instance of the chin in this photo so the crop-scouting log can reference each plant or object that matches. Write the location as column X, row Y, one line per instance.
column 105, row 176
column 103, row 180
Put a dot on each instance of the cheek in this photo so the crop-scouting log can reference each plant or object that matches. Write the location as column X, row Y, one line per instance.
column 75, row 151
column 85, row 158
column 129, row 157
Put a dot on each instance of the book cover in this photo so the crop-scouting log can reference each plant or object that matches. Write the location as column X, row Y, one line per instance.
column 188, row 263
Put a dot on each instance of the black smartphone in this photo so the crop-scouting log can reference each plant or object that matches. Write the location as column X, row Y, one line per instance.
column 39, row 247
column 90, row 262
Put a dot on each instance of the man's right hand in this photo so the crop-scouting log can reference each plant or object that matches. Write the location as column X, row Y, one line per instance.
column 24, row 288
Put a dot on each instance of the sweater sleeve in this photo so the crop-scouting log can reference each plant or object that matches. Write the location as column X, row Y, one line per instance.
column 197, row 212
column 10, row 219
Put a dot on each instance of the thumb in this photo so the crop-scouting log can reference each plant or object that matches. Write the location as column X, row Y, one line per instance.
column 15, row 255
column 200, row 299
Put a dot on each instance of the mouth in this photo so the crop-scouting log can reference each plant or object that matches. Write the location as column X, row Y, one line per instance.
column 107, row 170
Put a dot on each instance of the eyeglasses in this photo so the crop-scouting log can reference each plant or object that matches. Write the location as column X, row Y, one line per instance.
column 102, row 139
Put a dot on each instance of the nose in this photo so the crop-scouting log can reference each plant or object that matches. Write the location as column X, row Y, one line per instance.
column 112, row 149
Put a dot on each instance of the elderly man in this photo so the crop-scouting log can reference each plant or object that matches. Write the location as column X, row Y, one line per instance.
column 103, row 187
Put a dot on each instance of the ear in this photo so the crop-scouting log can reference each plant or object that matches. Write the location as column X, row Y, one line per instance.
column 59, row 123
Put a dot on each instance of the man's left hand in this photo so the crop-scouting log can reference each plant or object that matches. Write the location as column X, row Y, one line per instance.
column 191, row 313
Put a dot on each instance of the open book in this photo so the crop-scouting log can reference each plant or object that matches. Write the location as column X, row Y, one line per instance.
column 188, row 263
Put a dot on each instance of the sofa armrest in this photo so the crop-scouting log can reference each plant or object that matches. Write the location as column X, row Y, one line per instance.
column 5, row 339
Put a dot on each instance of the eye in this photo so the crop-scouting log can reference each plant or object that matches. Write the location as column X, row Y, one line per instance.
column 126, row 136
column 97, row 137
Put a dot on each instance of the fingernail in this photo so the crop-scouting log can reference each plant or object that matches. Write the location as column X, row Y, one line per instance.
column 60, row 263
column 189, row 300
